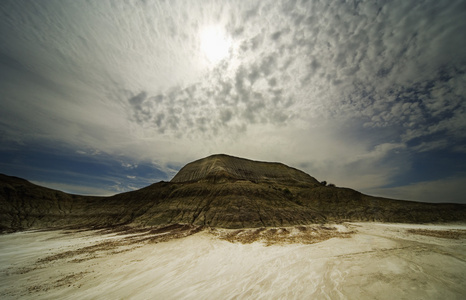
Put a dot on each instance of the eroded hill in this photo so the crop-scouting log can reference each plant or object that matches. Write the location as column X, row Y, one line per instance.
column 217, row 191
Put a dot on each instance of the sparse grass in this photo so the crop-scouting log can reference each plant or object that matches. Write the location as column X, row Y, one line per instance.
column 445, row 234
column 138, row 236
column 282, row 235
column 67, row 280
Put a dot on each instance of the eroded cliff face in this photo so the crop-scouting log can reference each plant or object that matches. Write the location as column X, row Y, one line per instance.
column 217, row 191
column 222, row 166
column 24, row 205
column 227, row 204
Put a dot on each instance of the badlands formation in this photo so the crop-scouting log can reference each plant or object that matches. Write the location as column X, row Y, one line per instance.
column 217, row 191
column 228, row 228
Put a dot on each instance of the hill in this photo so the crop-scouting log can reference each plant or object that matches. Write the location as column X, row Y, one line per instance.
column 217, row 191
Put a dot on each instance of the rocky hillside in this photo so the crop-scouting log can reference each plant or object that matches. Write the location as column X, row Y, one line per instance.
column 217, row 191
column 24, row 205
column 223, row 167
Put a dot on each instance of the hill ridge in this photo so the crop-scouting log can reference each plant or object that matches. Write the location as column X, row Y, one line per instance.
column 216, row 191
column 222, row 166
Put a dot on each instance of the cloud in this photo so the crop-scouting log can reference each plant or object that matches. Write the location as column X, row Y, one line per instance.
column 83, row 171
column 450, row 190
column 347, row 90
column 76, row 189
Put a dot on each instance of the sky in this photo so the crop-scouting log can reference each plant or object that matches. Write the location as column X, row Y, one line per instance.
column 102, row 97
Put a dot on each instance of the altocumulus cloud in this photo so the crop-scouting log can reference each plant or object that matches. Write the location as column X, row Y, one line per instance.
column 360, row 93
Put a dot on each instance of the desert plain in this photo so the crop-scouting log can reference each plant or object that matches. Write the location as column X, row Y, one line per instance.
column 334, row 261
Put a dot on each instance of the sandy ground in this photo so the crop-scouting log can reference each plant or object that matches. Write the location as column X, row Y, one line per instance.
column 369, row 261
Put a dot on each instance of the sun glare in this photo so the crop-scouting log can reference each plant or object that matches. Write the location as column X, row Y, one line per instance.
column 215, row 44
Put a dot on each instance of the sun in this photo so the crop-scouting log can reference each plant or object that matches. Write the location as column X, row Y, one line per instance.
column 215, row 44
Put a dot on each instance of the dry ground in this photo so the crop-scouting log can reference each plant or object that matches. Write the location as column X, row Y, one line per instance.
column 345, row 261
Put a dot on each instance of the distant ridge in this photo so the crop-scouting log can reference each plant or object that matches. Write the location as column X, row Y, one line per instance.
column 217, row 191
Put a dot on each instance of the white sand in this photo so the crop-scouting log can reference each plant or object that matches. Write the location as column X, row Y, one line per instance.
column 380, row 261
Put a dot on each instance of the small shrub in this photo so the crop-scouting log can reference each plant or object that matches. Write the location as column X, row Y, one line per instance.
column 287, row 192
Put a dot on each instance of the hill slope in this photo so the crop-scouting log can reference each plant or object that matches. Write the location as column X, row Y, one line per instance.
column 24, row 205
column 222, row 166
column 217, row 191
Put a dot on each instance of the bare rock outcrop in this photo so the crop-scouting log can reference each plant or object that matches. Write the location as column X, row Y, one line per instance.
column 220, row 166
column 217, row 191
